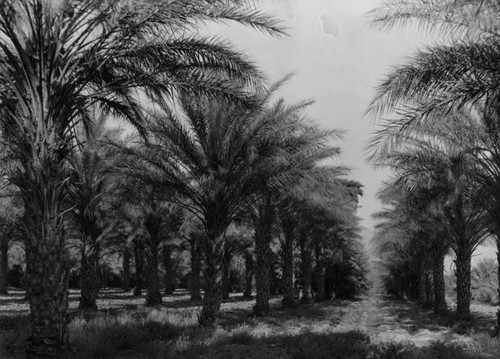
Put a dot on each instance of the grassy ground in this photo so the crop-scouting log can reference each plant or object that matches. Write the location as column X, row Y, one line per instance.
column 373, row 327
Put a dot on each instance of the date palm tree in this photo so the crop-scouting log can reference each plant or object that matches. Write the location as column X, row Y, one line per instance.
column 156, row 223
column 437, row 158
column 59, row 58
column 217, row 158
column 414, row 225
column 89, row 196
column 319, row 224
column 319, row 205
column 304, row 172
column 443, row 78
column 192, row 241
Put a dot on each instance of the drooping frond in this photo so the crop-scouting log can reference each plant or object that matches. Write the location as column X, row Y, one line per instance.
column 471, row 18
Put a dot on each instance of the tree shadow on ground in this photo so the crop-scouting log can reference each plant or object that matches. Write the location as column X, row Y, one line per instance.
column 332, row 345
column 414, row 317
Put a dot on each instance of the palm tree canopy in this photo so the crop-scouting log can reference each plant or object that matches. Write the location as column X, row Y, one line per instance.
column 220, row 155
column 464, row 18
column 59, row 58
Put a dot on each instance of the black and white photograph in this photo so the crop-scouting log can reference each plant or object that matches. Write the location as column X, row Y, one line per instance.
column 249, row 179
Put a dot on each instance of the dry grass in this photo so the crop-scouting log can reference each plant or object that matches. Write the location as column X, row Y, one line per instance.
column 375, row 327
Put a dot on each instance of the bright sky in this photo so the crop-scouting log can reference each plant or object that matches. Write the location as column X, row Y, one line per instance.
column 338, row 61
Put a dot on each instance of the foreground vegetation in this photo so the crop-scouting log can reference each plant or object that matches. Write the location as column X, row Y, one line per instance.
column 372, row 326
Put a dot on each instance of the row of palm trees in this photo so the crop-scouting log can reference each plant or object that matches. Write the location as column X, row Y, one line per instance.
column 441, row 137
column 210, row 142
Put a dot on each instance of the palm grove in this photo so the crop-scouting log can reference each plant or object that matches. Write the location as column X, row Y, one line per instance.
column 439, row 131
column 215, row 168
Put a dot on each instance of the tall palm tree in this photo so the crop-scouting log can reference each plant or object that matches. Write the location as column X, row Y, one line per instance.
column 239, row 240
column 217, row 158
column 422, row 239
column 89, row 196
column 460, row 74
column 439, row 160
column 313, row 146
column 59, row 58
column 93, row 197
column 193, row 240
column 156, row 221
column 318, row 205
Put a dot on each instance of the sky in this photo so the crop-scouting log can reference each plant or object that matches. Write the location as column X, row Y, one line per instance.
column 338, row 60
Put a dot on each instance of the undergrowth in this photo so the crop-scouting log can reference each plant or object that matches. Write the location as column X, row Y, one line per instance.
column 173, row 333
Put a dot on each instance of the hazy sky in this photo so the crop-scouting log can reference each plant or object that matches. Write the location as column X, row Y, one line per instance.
column 338, row 60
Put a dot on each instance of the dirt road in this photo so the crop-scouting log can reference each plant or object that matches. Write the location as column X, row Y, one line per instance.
column 387, row 319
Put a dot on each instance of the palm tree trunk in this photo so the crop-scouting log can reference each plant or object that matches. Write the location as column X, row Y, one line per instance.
column 153, row 294
column 169, row 270
column 439, row 287
column 139, row 264
column 320, row 275
column 47, row 279
column 429, row 290
column 126, row 269
column 90, row 279
column 275, row 281
column 44, row 192
column 226, row 285
column 248, row 275
column 214, row 251
column 421, row 284
column 498, row 262
column 306, row 275
column 4, row 263
column 288, row 265
column 463, row 273
column 263, row 222
column 263, row 271
column 195, row 283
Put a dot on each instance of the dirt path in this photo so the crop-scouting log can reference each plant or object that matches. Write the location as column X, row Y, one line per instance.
column 386, row 319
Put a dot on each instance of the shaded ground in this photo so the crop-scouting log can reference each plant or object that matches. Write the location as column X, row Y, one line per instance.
column 124, row 328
